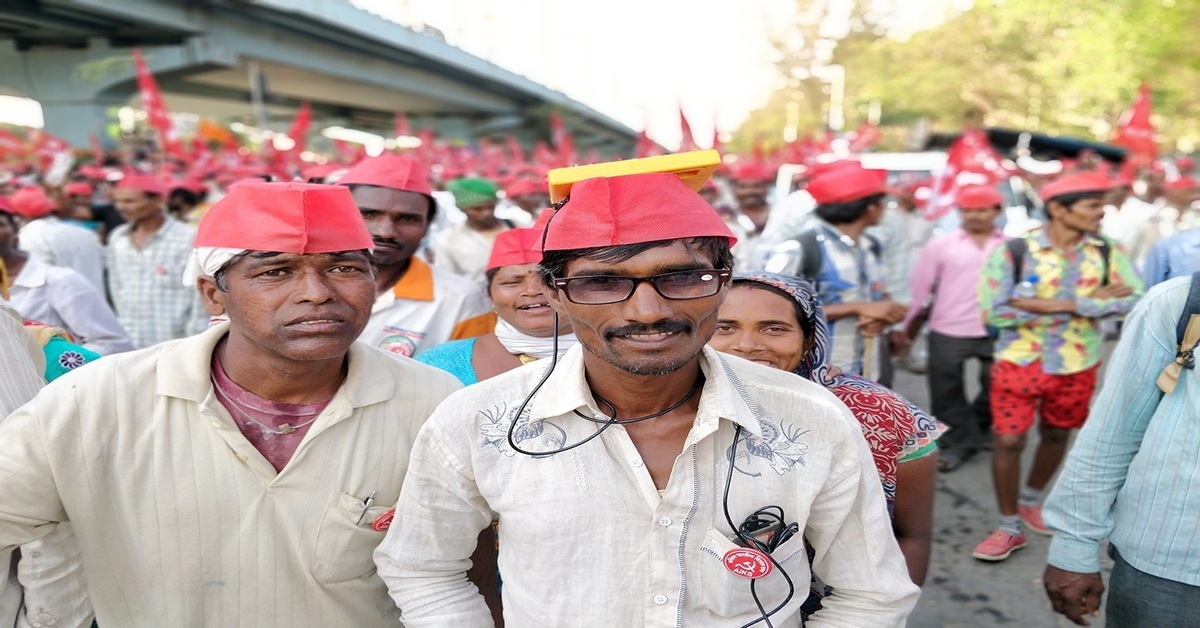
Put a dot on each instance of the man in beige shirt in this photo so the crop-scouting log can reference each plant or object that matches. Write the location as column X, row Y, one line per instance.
column 622, row 475
column 241, row 477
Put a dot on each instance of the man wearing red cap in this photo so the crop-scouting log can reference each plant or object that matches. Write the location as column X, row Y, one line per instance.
column 146, row 258
column 1046, row 305
column 419, row 305
column 751, row 183
column 845, row 265
column 945, row 292
column 55, row 241
column 241, row 477
column 622, row 474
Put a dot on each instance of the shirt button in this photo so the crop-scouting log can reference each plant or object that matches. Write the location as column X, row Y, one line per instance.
column 665, row 522
column 660, row 599
column 636, row 462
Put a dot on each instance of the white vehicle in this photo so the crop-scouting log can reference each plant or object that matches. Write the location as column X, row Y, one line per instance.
column 1023, row 210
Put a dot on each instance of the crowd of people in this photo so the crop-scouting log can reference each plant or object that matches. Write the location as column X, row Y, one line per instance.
column 375, row 394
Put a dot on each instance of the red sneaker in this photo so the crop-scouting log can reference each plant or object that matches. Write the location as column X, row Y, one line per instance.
column 999, row 545
column 1032, row 516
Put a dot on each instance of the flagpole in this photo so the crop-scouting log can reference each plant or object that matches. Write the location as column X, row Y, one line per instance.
column 256, row 95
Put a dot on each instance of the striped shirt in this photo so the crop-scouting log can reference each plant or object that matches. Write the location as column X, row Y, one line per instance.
column 150, row 300
column 1132, row 476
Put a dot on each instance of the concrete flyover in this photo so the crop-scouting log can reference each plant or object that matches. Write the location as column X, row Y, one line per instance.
column 357, row 69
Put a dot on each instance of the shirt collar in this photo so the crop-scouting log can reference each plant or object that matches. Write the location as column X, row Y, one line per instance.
column 188, row 374
column 719, row 398
column 1043, row 241
column 32, row 275
column 416, row 283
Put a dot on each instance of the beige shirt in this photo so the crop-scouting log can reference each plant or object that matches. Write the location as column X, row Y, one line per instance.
column 465, row 252
column 586, row 539
column 179, row 519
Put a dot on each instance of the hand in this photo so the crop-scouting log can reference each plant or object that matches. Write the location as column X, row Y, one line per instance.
column 887, row 311
column 899, row 343
column 1044, row 306
column 1113, row 291
column 870, row 327
column 1074, row 594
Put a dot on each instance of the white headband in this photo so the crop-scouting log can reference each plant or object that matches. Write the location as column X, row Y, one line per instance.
column 207, row 260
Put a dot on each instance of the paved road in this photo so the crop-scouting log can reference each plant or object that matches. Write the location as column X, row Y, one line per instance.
column 960, row 590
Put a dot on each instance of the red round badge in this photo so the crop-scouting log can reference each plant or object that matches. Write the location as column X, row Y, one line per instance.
column 384, row 521
column 747, row 563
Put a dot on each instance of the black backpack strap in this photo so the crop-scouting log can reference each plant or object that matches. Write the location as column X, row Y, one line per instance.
column 1106, row 256
column 874, row 246
column 1192, row 306
column 1016, row 250
column 810, row 256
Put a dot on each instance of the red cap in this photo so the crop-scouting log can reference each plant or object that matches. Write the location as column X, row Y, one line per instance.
column 31, row 202
column 195, row 186
column 1075, row 183
column 390, row 171
column 523, row 186
column 1182, row 183
column 543, row 219
column 144, row 182
column 846, row 182
column 319, row 171
column 514, row 247
column 977, row 196
column 1185, row 164
column 79, row 188
column 95, row 173
column 286, row 218
column 630, row 209
column 753, row 171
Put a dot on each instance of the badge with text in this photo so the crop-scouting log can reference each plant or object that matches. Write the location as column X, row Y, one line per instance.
column 747, row 563
column 384, row 521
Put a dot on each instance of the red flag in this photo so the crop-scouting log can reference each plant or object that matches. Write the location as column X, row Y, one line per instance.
column 688, row 142
column 11, row 144
column 299, row 129
column 46, row 146
column 400, row 125
column 716, row 143
column 971, row 160
column 156, row 110
column 562, row 140
column 97, row 150
column 865, row 137
column 515, row 150
column 1134, row 130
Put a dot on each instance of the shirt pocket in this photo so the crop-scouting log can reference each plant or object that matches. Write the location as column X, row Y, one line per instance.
column 343, row 547
column 728, row 595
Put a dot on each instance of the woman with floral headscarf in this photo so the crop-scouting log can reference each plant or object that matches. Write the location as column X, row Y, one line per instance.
column 778, row 321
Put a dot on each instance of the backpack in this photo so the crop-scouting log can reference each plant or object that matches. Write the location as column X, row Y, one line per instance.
column 1187, row 334
column 811, row 258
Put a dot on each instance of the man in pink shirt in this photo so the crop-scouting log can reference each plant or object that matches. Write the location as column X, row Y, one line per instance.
column 946, row 278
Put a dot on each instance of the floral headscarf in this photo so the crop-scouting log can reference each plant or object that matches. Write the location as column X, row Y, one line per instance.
column 893, row 427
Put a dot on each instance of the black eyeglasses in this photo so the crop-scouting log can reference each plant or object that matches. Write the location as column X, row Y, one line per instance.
column 677, row 286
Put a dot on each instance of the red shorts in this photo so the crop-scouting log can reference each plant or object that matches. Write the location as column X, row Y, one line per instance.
column 1017, row 391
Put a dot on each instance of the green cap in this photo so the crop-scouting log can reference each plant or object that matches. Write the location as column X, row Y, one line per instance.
column 473, row 191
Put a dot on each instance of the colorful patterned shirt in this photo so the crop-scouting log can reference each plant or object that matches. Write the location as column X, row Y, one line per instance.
column 1065, row 343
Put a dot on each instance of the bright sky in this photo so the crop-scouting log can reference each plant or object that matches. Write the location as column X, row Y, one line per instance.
column 636, row 61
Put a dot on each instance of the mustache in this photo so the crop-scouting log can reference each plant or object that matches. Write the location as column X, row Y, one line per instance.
column 661, row 327
column 387, row 242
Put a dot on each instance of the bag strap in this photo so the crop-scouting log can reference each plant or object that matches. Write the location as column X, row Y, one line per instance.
column 1016, row 250
column 810, row 255
column 1187, row 333
column 1106, row 257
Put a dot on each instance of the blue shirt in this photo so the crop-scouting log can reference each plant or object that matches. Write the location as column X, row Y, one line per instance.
column 1176, row 256
column 1133, row 476
column 453, row 357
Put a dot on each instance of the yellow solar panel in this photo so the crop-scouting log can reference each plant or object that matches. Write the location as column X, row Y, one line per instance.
column 694, row 168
